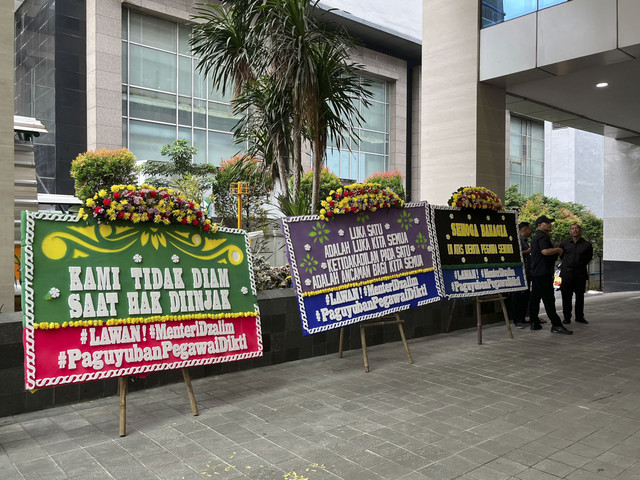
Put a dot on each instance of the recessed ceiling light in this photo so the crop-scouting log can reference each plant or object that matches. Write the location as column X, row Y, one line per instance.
column 602, row 84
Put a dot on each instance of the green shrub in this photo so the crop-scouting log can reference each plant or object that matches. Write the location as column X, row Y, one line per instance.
column 98, row 169
column 242, row 168
column 393, row 180
column 328, row 181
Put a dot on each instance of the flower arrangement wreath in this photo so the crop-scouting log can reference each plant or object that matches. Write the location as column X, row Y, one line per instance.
column 358, row 197
column 475, row 197
column 145, row 203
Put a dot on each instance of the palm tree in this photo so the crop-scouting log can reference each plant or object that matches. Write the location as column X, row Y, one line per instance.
column 226, row 43
column 290, row 73
column 267, row 128
column 334, row 109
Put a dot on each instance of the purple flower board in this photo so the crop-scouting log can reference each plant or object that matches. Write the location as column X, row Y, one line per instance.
column 358, row 267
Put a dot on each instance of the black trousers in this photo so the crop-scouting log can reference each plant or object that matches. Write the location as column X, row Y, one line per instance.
column 573, row 283
column 520, row 303
column 542, row 289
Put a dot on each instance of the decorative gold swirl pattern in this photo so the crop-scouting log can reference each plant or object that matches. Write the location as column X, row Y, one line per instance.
column 93, row 238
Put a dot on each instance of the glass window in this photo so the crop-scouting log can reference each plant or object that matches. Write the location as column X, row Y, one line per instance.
column 200, row 142
column 364, row 150
column 185, row 75
column 221, row 147
column 164, row 97
column 526, row 147
column 150, row 105
column 184, row 34
column 221, row 117
column 498, row 11
column 152, row 31
column 152, row 68
column 146, row 139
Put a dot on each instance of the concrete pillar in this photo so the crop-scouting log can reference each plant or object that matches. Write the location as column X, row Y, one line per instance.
column 6, row 157
column 104, row 74
column 621, row 216
column 463, row 121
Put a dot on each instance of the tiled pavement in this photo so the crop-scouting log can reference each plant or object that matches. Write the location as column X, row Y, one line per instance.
column 537, row 407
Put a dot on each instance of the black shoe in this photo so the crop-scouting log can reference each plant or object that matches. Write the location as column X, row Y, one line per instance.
column 536, row 326
column 582, row 321
column 561, row 330
column 567, row 321
column 519, row 324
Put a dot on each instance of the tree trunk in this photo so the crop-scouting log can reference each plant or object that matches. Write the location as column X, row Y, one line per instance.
column 297, row 157
column 317, row 168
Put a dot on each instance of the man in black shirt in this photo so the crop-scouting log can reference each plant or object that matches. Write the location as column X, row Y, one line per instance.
column 520, row 299
column 541, row 262
column 577, row 253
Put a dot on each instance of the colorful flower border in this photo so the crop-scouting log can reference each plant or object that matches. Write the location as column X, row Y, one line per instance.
column 359, row 197
column 145, row 203
column 475, row 197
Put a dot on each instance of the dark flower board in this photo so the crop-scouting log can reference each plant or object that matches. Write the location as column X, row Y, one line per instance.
column 357, row 267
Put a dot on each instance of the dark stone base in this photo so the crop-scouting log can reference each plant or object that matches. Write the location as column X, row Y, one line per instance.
column 621, row 276
column 282, row 338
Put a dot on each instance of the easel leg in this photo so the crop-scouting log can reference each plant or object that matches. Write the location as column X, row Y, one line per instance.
column 479, row 317
column 506, row 316
column 192, row 397
column 453, row 308
column 404, row 340
column 364, row 349
column 341, row 340
column 122, row 388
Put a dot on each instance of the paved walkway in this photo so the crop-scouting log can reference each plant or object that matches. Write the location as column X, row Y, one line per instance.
column 538, row 407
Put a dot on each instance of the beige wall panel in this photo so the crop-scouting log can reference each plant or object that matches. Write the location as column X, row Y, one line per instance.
column 628, row 15
column 621, row 216
column 576, row 29
column 6, row 156
column 508, row 47
column 104, row 74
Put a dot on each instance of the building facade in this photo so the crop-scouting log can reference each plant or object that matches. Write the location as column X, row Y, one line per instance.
column 572, row 63
column 128, row 65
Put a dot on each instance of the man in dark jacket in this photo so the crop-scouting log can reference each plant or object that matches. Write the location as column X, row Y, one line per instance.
column 520, row 299
column 577, row 253
column 541, row 263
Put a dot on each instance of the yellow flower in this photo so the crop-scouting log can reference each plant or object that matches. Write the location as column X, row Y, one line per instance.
column 102, row 193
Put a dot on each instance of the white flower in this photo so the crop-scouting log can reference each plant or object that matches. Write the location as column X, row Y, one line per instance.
column 341, row 232
column 416, row 221
column 469, row 216
column 413, row 248
column 175, row 259
column 430, row 248
column 387, row 226
column 324, row 265
column 510, row 238
column 137, row 258
column 307, row 247
column 463, row 260
column 502, row 259
column 486, row 259
column 488, row 217
column 307, row 282
column 502, row 217
column 54, row 292
column 451, row 216
column 448, row 237
column 244, row 290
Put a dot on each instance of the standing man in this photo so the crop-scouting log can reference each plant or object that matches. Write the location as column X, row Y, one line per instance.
column 520, row 299
column 577, row 253
column 542, row 261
